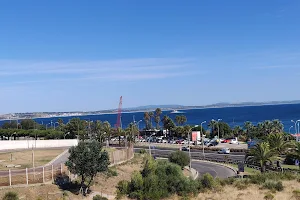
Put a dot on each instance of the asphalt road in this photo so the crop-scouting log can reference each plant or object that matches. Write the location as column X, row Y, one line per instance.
column 214, row 169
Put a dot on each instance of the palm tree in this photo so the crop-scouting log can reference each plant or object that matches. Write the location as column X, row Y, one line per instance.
column 278, row 143
column 119, row 132
column 212, row 125
column 262, row 154
column 107, row 130
column 131, row 131
column 248, row 126
column 296, row 151
column 237, row 130
column 97, row 131
column 151, row 115
column 277, row 126
column 157, row 117
column 267, row 127
column 147, row 120
column 178, row 120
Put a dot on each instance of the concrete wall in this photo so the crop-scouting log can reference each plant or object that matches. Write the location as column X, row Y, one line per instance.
column 27, row 144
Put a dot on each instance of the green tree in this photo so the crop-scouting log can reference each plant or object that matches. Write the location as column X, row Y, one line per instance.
column 119, row 132
column 147, row 120
column 278, row 143
column 263, row 154
column 296, row 151
column 151, row 115
column 107, row 129
column 180, row 119
column 75, row 127
column 28, row 124
column 131, row 131
column 86, row 160
column 97, row 131
column 9, row 125
column 158, row 112
column 168, row 123
column 248, row 126
column 237, row 130
column 180, row 158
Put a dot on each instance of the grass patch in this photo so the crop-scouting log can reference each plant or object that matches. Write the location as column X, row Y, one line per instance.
column 24, row 158
column 247, row 169
column 290, row 167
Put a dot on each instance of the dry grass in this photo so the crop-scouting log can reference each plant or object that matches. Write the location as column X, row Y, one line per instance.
column 24, row 158
column 107, row 185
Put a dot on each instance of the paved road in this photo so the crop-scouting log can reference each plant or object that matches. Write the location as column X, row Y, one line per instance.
column 214, row 169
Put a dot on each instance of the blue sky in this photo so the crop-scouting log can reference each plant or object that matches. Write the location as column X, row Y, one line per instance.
column 83, row 55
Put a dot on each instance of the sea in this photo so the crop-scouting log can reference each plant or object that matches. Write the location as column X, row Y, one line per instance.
column 234, row 116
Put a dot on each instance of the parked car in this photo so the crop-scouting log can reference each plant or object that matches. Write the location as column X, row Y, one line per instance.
column 224, row 151
column 225, row 141
column 185, row 148
column 212, row 143
column 234, row 141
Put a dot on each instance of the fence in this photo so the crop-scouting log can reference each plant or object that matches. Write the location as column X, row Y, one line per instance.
column 47, row 174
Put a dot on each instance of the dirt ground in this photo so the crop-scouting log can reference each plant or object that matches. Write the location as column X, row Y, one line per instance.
column 108, row 185
column 253, row 192
column 24, row 158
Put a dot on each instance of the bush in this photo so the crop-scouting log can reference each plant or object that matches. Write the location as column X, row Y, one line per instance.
column 242, row 184
column 10, row 196
column 296, row 194
column 111, row 172
column 208, row 182
column 180, row 158
column 273, row 185
column 143, row 151
column 98, row 197
column 269, row 196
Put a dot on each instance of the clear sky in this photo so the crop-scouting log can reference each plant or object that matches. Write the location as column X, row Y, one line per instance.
column 76, row 55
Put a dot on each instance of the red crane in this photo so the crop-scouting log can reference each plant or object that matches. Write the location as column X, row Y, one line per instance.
column 118, row 124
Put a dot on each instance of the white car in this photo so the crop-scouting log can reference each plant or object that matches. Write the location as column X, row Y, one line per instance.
column 224, row 151
column 233, row 141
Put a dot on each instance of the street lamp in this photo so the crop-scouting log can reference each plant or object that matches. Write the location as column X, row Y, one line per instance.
column 219, row 128
column 290, row 129
column 295, row 122
column 54, row 124
column 202, row 139
column 66, row 134
column 150, row 143
column 47, row 126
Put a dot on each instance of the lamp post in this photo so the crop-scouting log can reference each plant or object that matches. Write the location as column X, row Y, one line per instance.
column 290, row 129
column 54, row 124
column 150, row 143
column 295, row 122
column 219, row 128
column 47, row 126
column 202, row 139
column 66, row 134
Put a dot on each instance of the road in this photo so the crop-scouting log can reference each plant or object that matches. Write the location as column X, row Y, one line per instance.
column 202, row 167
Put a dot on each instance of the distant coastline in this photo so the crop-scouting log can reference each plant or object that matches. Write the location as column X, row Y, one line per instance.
column 35, row 115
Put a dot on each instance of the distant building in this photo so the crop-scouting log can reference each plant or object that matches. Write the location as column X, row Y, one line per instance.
column 297, row 137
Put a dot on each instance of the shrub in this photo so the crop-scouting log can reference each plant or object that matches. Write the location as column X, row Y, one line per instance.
column 208, row 182
column 122, row 187
column 269, row 196
column 111, row 172
column 180, row 158
column 273, row 185
column 227, row 181
column 98, row 197
column 242, row 184
column 10, row 196
column 143, row 151
column 296, row 194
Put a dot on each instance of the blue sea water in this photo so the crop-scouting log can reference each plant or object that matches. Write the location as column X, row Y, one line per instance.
column 232, row 115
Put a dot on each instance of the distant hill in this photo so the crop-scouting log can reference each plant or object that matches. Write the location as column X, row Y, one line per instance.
column 149, row 107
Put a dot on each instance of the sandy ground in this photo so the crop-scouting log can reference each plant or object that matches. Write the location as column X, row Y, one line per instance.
column 24, row 158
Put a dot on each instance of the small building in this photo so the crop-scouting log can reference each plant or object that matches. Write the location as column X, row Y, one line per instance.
column 297, row 137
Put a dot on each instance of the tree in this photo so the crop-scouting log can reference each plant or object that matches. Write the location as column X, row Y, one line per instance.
column 180, row 119
column 119, row 132
column 75, row 127
column 237, row 130
column 168, row 123
column 97, row 131
column 107, row 130
column 180, row 158
column 28, row 124
column 278, row 143
column 131, row 131
column 263, row 154
column 296, row 151
column 158, row 112
column 277, row 126
column 147, row 120
column 9, row 125
column 248, row 126
column 224, row 129
column 151, row 115
column 86, row 160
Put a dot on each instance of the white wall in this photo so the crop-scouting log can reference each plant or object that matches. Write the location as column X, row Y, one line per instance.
column 28, row 144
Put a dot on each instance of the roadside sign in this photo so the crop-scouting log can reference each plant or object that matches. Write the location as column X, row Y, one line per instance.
column 241, row 167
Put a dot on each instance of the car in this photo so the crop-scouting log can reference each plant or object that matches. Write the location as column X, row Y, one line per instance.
column 234, row 141
column 224, row 151
column 225, row 141
column 185, row 148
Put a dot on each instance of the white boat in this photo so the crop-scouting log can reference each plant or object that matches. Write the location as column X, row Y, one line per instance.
column 176, row 111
